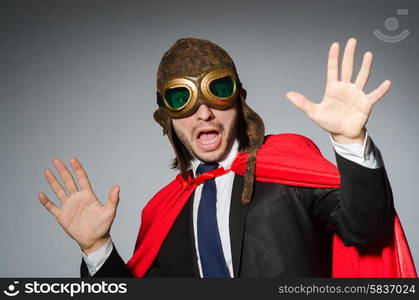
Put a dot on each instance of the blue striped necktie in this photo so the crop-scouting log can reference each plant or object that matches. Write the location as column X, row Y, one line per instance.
column 209, row 242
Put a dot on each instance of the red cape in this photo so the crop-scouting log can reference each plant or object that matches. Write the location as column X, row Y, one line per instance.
column 287, row 159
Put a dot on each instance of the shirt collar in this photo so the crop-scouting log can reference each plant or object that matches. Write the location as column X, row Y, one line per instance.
column 226, row 163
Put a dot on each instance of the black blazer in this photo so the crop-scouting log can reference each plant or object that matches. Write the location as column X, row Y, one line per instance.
column 285, row 231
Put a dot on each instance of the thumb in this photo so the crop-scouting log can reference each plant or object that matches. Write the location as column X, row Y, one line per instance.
column 113, row 197
column 301, row 102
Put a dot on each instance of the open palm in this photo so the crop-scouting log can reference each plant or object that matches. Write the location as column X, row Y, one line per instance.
column 82, row 215
column 345, row 107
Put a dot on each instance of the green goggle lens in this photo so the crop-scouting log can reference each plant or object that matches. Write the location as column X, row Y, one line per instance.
column 222, row 87
column 177, row 97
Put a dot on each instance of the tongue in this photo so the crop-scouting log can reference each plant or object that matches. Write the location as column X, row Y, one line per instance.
column 207, row 136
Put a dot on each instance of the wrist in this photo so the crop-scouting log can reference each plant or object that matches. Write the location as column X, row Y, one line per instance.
column 342, row 139
column 95, row 246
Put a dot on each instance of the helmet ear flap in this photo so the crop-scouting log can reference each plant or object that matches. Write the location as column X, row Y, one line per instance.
column 162, row 117
column 255, row 128
column 243, row 93
column 183, row 157
column 255, row 133
column 159, row 100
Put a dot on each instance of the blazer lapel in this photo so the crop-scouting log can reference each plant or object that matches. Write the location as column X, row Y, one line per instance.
column 238, row 213
column 192, row 240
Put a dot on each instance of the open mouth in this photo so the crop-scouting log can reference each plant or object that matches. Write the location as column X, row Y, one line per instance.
column 209, row 139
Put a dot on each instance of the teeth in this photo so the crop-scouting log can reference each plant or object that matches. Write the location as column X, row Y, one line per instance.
column 211, row 141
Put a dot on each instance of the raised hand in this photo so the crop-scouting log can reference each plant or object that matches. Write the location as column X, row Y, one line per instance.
column 82, row 215
column 345, row 108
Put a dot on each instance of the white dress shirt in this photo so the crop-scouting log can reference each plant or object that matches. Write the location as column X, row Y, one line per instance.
column 366, row 155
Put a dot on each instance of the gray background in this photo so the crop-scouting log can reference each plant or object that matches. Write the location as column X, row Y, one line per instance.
column 77, row 78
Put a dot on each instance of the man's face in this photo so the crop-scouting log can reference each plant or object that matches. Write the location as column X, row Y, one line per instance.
column 209, row 133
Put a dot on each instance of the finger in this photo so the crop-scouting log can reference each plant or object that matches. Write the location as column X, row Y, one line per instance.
column 81, row 174
column 301, row 102
column 348, row 60
column 333, row 63
column 52, row 208
column 55, row 186
column 379, row 92
column 113, row 198
column 364, row 72
column 65, row 175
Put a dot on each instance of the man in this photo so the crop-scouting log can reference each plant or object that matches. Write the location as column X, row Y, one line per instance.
column 222, row 219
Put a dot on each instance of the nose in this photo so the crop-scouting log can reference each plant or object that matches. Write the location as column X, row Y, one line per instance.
column 204, row 113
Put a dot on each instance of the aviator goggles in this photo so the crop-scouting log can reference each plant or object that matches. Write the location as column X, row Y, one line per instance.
column 183, row 95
